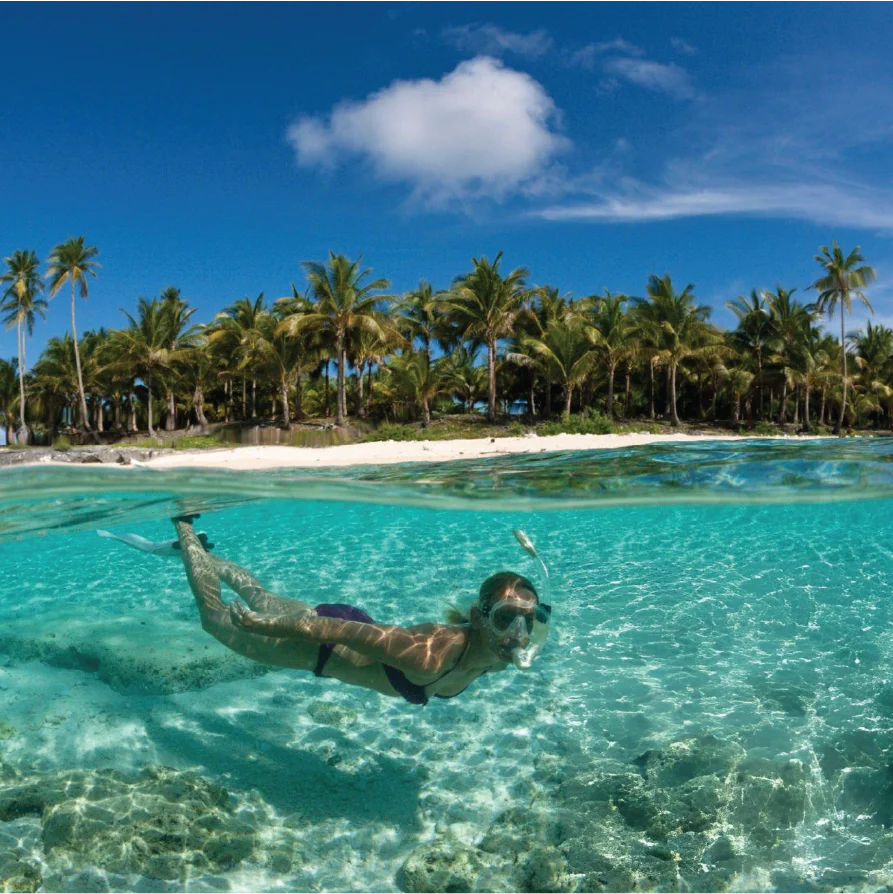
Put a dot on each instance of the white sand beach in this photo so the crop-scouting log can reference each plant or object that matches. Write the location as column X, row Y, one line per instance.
column 385, row 452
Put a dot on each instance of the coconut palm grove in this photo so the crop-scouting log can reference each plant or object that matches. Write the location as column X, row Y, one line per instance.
column 491, row 346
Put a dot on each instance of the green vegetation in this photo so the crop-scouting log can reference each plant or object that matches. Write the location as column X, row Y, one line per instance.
column 489, row 356
column 592, row 423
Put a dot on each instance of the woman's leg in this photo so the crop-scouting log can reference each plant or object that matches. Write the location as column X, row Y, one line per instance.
column 344, row 664
column 253, row 593
column 205, row 586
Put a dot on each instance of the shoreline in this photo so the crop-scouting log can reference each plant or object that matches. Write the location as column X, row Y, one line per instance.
column 258, row 458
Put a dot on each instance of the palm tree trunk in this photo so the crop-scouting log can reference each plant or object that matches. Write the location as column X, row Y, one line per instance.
column 674, row 414
column 198, row 404
column 171, row 422
column 611, row 391
column 491, row 380
column 426, row 411
column 325, row 408
column 299, row 394
column 286, row 413
column 100, row 426
column 669, row 401
column 651, row 413
column 531, row 399
column 254, row 398
column 244, row 397
column 149, row 389
column 628, row 396
column 760, row 381
column 806, row 407
column 822, row 409
column 23, row 429
column 118, row 399
column 340, row 397
column 782, row 412
column 736, row 409
column 132, row 400
column 547, row 399
column 85, row 419
column 567, row 401
column 368, row 389
column 840, row 429
column 361, row 406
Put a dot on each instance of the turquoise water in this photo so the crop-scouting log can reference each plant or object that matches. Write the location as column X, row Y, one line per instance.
column 712, row 712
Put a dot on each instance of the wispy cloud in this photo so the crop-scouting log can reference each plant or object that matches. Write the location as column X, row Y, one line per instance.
column 483, row 130
column 589, row 56
column 491, row 40
column 669, row 79
column 619, row 60
column 793, row 139
column 683, row 46
column 818, row 202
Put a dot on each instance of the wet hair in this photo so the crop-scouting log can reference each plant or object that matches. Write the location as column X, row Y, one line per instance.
column 494, row 589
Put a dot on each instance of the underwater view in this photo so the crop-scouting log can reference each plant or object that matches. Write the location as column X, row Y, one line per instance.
column 712, row 709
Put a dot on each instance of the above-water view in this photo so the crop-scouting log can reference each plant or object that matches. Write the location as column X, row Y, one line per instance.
column 711, row 710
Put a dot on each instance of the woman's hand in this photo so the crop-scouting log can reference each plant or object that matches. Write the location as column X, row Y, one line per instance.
column 245, row 619
column 265, row 625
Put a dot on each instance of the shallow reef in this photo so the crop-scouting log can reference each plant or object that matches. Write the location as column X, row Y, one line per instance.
column 135, row 653
column 160, row 824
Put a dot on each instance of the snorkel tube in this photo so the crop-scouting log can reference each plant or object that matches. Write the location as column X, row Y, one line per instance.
column 524, row 658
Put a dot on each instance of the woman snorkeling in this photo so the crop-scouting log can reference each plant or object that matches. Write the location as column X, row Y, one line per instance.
column 507, row 625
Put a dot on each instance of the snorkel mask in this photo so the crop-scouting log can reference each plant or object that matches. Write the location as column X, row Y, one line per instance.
column 532, row 622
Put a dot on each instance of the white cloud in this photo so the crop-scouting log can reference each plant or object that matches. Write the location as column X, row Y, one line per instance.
column 482, row 130
column 491, row 40
column 669, row 79
column 818, row 202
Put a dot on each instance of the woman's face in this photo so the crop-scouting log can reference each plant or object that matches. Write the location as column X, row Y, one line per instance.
column 508, row 622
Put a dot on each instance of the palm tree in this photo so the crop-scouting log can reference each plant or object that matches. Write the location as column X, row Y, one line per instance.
column 418, row 381
column 874, row 356
column 420, row 315
column 677, row 325
column 344, row 305
column 567, row 350
column 21, row 302
column 7, row 396
column 465, row 379
column 789, row 324
column 486, row 305
column 844, row 278
column 544, row 306
column 73, row 262
column 238, row 328
column 56, row 375
column 610, row 332
column 753, row 334
column 180, row 336
column 368, row 348
column 737, row 383
column 144, row 346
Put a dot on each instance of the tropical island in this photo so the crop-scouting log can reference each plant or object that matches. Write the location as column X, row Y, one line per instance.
column 342, row 360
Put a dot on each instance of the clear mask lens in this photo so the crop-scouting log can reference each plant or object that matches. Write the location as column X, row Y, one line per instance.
column 521, row 620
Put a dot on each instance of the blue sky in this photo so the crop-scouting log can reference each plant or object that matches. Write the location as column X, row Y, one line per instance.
column 214, row 148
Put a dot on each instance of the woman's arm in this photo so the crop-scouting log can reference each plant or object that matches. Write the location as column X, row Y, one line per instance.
column 426, row 650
